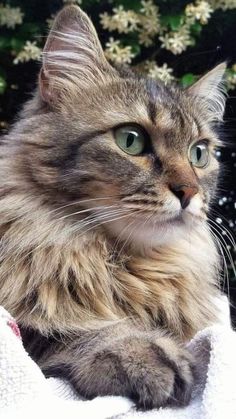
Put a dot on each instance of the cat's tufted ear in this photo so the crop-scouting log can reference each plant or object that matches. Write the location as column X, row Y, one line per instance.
column 72, row 57
column 212, row 90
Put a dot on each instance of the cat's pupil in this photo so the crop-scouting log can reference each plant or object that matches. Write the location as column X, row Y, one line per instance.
column 129, row 140
column 199, row 153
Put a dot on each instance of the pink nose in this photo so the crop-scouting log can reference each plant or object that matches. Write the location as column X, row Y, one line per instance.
column 184, row 193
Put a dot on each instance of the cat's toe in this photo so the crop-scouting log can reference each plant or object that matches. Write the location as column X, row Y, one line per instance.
column 170, row 382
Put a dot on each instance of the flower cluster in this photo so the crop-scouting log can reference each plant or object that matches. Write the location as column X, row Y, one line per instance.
column 149, row 22
column 29, row 52
column 145, row 22
column 118, row 54
column 10, row 16
column 177, row 41
column 163, row 72
column 136, row 28
column 201, row 11
column 223, row 4
column 121, row 21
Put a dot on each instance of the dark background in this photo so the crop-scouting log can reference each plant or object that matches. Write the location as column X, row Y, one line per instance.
column 216, row 43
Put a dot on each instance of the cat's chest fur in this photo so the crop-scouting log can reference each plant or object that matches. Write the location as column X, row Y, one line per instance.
column 80, row 284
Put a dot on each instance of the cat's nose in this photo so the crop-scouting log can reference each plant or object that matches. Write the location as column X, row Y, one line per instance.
column 184, row 193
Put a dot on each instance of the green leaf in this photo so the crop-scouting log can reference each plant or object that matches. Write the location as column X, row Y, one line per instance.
column 29, row 29
column 17, row 44
column 3, row 85
column 4, row 43
column 136, row 49
column 196, row 29
column 172, row 21
column 188, row 79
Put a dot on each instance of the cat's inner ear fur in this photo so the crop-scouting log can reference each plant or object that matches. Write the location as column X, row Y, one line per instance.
column 72, row 57
column 211, row 89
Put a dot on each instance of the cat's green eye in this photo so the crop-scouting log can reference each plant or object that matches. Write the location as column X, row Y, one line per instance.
column 130, row 139
column 199, row 155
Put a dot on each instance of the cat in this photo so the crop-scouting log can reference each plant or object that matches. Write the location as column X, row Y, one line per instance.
column 107, row 260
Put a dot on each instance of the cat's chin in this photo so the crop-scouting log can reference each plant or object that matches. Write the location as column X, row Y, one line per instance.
column 152, row 233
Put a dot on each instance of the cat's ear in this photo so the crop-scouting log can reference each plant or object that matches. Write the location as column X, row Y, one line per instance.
column 212, row 90
column 72, row 56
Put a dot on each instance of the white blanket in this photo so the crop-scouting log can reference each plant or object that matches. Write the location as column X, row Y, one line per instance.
column 25, row 393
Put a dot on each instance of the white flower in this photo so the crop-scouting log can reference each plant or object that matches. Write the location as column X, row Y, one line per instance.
column 10, row 16
column 178, row 41
column 151, row 25
column 145, row 39
column 146, row 23
column 118, row 54
column 200, row 11
column 72, row 1
column 149, row 22
column 163, row 72
column 123, row 21
column 223, row 4
column 149, row 8
column 29, row 52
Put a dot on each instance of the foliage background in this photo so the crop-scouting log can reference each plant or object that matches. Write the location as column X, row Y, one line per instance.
column 175, row 40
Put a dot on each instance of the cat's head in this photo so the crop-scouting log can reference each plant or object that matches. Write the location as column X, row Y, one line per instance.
column 133, row 155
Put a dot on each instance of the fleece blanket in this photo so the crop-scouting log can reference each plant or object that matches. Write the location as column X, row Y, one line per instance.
column 26, row 393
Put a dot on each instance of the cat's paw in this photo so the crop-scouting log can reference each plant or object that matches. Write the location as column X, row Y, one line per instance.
column 152, row 372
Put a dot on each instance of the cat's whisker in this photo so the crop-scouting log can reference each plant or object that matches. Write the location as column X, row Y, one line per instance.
column 128, row 238
column 225, row 267
column 34, row 249
column 105, row 222
column 222, row 245
column 119, row 237
column 87, row 210
column 79, row 202
column 218, row 229
column 218, row 214
column 58, row 219
column 227, row 233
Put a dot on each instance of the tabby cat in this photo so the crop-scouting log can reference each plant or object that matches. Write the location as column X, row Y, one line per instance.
column 107, row 261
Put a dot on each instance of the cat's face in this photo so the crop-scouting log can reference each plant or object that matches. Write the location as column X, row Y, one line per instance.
column 131, row 154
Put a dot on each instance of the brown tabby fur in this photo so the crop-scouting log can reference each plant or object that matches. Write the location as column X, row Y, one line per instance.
column 60, row 169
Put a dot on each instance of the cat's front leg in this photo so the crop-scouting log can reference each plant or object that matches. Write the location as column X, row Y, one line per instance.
column 150, row 368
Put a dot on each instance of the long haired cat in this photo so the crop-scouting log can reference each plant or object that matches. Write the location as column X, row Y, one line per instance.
column 107, row 261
